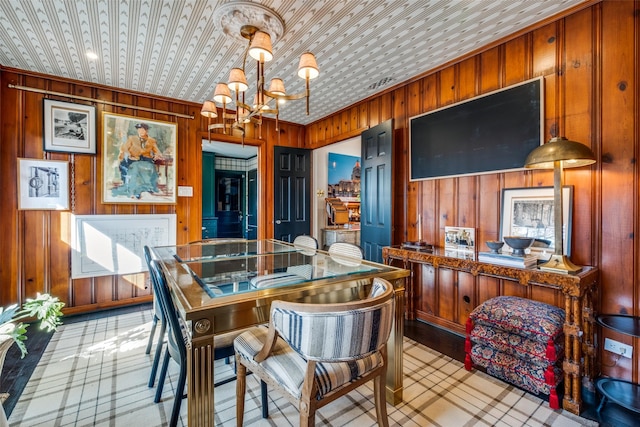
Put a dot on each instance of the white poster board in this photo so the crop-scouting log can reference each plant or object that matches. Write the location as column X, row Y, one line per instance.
column 104, row 245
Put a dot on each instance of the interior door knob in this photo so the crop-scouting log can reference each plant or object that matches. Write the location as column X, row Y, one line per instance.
column 278, row 221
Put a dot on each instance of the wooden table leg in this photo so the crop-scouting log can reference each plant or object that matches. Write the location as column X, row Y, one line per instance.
column 395, row 348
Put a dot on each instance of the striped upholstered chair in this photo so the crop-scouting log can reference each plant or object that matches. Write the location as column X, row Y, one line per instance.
column 315, row 353
column 344, row 249
column 307, row 244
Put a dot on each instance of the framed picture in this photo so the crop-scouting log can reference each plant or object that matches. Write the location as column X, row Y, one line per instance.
column 138, row 160
column 528, row 212
column 43, row 184
column 69, row 128
column 343, row 178
column 460, row 239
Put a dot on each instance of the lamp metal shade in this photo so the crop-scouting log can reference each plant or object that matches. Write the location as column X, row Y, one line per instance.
column 209, row 110
column 222, row 93
column 260, row 47
column 277, row 87
column 238, row 80
column 308, row 67
column 572, row 154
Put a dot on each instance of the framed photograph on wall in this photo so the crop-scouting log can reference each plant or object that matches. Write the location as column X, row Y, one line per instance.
column 43, row 184
column 138, row 160
column 529, row 212
column 69, row 127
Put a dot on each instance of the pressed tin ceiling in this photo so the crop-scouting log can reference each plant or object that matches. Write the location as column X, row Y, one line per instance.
column 178, row 48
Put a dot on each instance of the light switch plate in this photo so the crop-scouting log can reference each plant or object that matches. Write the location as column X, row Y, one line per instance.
column 618, row 348
column 185, row 191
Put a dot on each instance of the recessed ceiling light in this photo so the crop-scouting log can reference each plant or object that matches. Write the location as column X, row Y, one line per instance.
column 92, row 55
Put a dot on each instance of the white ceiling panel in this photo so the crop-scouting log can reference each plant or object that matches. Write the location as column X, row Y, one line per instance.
column 177, row 48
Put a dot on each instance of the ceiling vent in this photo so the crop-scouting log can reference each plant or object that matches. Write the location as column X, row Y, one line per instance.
column 382, row 82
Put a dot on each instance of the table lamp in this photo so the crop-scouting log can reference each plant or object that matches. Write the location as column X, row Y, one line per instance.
column 557, row 154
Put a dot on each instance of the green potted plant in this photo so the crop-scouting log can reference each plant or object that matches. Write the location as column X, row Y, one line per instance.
column 44, row 308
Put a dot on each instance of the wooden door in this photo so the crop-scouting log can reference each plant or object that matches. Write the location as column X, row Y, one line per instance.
column 292, row 192
column 376, row 201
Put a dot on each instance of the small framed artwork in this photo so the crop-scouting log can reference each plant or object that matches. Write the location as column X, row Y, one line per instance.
column 459, row 239
column 69, row 128
column 43, row 184
column 138, row 160
column 529, row 212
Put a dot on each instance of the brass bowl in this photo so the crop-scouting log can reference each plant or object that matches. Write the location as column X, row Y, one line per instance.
column 519, row 244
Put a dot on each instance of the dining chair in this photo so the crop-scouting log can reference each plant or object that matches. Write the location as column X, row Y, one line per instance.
column 307, row 245
column 345, row 249
column 177, row 339
column 306, row 242
column 158, row 316
column 315, row 353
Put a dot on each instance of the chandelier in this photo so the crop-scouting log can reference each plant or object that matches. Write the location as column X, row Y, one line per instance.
column 251, row 109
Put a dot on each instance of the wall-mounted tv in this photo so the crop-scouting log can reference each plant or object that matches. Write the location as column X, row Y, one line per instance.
column 490, row 133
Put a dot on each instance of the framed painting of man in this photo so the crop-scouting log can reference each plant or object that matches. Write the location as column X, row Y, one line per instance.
column 138, row 160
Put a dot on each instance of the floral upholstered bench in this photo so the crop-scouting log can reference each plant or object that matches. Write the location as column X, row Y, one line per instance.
column 520, row 341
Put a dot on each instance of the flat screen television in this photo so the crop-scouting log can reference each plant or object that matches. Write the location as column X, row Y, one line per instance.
column 490, row 133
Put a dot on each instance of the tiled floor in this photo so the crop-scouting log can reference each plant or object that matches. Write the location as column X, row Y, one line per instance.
column 95, row 372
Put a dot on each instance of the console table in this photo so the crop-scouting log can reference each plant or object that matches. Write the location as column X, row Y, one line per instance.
column 446, row 286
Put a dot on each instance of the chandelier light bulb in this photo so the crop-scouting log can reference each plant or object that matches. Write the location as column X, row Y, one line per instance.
column 277, row 87
column 209, row 110
column 222, row 94
column 237, row 80
column 308, row 67
column 260, row 48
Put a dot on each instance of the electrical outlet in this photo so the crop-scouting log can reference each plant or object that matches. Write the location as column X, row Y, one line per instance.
column 618, row 348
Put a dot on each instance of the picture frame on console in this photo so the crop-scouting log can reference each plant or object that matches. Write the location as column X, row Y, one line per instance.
column 528, row 212
column 460, row 239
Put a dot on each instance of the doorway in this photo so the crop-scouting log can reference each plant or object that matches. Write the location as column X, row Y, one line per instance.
column 230, row 206
column 229, row 196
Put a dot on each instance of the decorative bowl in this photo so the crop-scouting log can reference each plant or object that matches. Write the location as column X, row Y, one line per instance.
column 495, row 245
column 519, row 244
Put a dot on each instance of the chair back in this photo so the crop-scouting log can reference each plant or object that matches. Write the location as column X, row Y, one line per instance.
column 305, row 241
column 337, row 332
column 157, row 307
column 176, row 337
column 346, row 254
column 345, row 249
column 307, row 245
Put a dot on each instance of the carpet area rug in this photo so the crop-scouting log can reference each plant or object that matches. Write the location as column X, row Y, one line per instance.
column 95, row 373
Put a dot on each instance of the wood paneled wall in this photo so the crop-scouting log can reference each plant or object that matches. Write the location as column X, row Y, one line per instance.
column 590, row 64
column 34, row 244
column 589, row 61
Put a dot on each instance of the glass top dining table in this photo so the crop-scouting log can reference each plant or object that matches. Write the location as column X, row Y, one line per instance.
column 222, row 286
column 218, row 273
